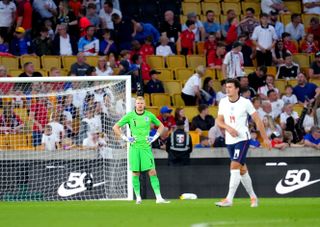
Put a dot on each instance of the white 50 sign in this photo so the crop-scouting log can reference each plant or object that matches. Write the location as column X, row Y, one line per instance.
column 295, row 179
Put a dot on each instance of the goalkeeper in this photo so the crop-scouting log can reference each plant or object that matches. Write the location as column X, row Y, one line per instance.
column 140, row 154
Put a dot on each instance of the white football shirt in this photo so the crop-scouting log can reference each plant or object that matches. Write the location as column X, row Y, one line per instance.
column 49, row 142
column 236, row 115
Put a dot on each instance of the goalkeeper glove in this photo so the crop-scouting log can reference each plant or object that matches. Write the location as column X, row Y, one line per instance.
column 151, row 139
column 129, row 139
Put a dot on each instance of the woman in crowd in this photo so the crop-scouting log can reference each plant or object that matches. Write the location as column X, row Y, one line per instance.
column 179, row 115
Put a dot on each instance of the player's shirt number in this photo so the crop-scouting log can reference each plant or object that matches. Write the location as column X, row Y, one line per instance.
column 232, row 119
column 236, row 153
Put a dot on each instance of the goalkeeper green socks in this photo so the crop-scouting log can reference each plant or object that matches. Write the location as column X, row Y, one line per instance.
column 155, row 185
column 136, row 185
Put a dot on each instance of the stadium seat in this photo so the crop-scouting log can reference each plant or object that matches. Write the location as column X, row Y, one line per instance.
column 216, row 86
column 249, row 70
column 183, row 73
column 195, row 137
column 211, row 73
column 302, row 59
column 272, row 70
column 183, row 19
column 48, row 62
column 67, row 61
column 315, row 81
column 189, row 7
column 155, row 61
column 160, row 99
column 15, row 72
column 280, row 84
column 177, row 100
column 213, row 110
column 116, row 71
column 285, row 19
column 214, row 6
column 194, row 61
column 43, row 72
column 92, row 60
column 10, row 62
column 28, row 58
column 190, row 112
column 219, row 75
column 237, row 1
column 255, row 5
column 172, row 86
column 293, row 6
column 292, row 82
column 147, row 99
column 166, row 74
column 231, row 5
column 211, row 1
column 153, row 109
column 306, row 19
column 298, row 108
column 65, row 72
column 200, row 48
column 176, row 61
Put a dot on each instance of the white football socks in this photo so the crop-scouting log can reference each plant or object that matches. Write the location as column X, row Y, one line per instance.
column 247, row 183
column 234, row 182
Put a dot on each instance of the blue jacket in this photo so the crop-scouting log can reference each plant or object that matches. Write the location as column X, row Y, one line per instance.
column 148, row 30
column 20, row 47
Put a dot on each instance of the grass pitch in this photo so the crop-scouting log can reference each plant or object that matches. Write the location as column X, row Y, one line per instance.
column 197, row 213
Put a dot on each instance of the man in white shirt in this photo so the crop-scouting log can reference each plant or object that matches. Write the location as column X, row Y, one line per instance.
column 295, row 27
column 93, row 141
column 311, row 6
column 233, row 117
column 106, row 13
column 264, row 38
column 273, row 5
column 288, row 112
column 63, row 43
column 276, row 103
column 263, row 91
column 191, row 90
column 232, row 66
column 7, row 16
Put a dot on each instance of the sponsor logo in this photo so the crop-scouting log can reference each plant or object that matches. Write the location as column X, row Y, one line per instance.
column 75, row 184
column 294, row 180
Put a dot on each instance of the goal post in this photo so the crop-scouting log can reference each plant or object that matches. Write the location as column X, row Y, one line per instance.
column 56, row 138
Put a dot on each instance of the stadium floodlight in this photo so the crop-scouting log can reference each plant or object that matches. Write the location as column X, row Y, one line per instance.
column 56, row 138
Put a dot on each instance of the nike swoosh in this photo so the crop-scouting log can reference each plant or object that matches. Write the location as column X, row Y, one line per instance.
column 282, row 189
column 64, row 192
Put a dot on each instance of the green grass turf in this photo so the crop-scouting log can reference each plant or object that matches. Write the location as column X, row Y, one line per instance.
column 271, row 212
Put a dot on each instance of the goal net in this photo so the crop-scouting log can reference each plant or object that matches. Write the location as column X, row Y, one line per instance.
column 56, row 138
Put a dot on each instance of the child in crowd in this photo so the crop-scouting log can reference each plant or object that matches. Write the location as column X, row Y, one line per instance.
column 49, row 142
column 147, row 48
column 215, row 58
column 277, row 141
column 288, row 43
column 210, row 45
column 4, row 48
column 289, row 97
column 164, row 49
column 204, row 142
column 221, row 94
column 308, row 45
column 107, row 45
column 187, row 38
column 254, row 142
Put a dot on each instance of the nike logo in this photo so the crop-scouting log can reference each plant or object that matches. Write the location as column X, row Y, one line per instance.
column 65, row 192
column 283, row 189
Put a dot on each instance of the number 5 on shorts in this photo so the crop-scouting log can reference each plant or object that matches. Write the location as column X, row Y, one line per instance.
column 236, row 153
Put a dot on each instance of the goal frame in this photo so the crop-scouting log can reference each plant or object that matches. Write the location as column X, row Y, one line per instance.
column 128, row 96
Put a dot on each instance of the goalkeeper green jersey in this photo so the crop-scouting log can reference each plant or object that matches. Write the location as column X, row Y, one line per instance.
column 139, row 126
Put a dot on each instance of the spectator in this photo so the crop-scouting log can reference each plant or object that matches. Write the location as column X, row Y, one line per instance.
column 106, row 15
column 63, row 43
column 309, row 45
column 29, row 71
column 84, row 22
column 80, row 67
column 103, row 69
column 257, row 103
column 314, row 28
column 166, row 118
column 198, row 29
column 38, row 115
column 20, row 45
column 263, row 91
column 215, row 58
column 49, row 141
column 264, row 38
column 312, row 139
column 203, row 121
column 221, row 94
column 5, row 88
column 179, row 115
column 308, row 121
column 171, row 29
column 288, row 43
column 10, row 122
column 107, row 45
column 125, row 64
column 7, row 17
column 267, row 110
column 139, row 64
column 273, row 5
column 295, row 27
column 210, row 44
column 67, row 18
column 44, row 9
column 231, row 15
column 154, row 85
column 43, row 44
column 314, row 70
column 217, row 136
column 179, row 146
column 89, row 44
column 94, row 141
column 304, row 90
column 164, row 49
column 257, row 79
column 147, row 48
column 89, row 123
column 233, row 62
column 289, row 97
column 204, row 142
column 91, row 71
column 48, row 25
column 56, row 127
column 249, row 22
column 210, row 26
column 144, row 30
column 69, row 107
column 288, row 115
column 187, row 39
column 288, row 70
column 191, row 90
column 244, row 84
column 276, row 103
column 277, row 141
column 279, row 52
column 92, row 15
column 24, row 14
column 270, row 125
column 232, row 34
column 247, row 51
column 75, row 6
column 123, row 31
column 4, row 48
column 208, row 93
column 254, row 142
column 311, row 7
column 278, row 26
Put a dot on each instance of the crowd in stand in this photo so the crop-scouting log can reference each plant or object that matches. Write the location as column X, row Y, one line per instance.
column 92, row 28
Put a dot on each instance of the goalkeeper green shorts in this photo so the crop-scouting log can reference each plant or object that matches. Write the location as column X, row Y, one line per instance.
column 141, row 159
